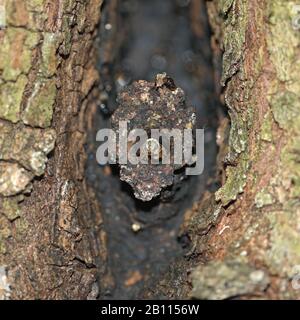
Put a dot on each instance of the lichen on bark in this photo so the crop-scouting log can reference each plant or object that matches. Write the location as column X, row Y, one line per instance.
column 49, row 236
column 258, row 221
column 261, row 192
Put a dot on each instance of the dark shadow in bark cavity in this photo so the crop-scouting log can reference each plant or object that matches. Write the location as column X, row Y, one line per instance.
column 139, row 39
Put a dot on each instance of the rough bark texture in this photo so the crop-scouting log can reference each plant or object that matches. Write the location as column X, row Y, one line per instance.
column 51, row 240
column 261, row 193
column 246, row 236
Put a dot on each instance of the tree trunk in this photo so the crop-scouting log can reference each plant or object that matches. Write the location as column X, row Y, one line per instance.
column 246, row 236
column 52, row 244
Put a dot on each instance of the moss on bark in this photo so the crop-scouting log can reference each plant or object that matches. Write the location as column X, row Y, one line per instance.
column 50, row 227
column 258, row 221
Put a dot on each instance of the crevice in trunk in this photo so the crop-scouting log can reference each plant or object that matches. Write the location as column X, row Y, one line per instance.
column 139, row 39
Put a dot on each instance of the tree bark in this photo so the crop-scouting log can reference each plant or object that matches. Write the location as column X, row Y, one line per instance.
column 245, row 237
column 261, row 194
column 52, row 243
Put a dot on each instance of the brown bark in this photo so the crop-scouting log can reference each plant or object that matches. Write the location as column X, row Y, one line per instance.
column 51, row 236
column 52, row 242
column 245, row 236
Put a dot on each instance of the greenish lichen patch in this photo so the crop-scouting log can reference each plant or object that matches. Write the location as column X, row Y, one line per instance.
column 13, row 178
column 39, row 106
column 284, row 251
column 35, row 5
column 235, row 182
column 29, row 14
column 16, row 52
column 263, row 198
column 285, row 107
column 290, row 167
column 226, row 279
column 34, row 157
column 2, row 247
column 11, row 94
column 283, row 38
column 234, row 36
column 27, row 146
column 266, row 128
column 50, row 60
column 284, row 94
column 238, row 137
column 5, row 232
column 10, row 207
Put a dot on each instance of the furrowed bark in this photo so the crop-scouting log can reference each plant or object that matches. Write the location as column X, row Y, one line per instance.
column 247, row 233
column 261, row 192
column 52, row 244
